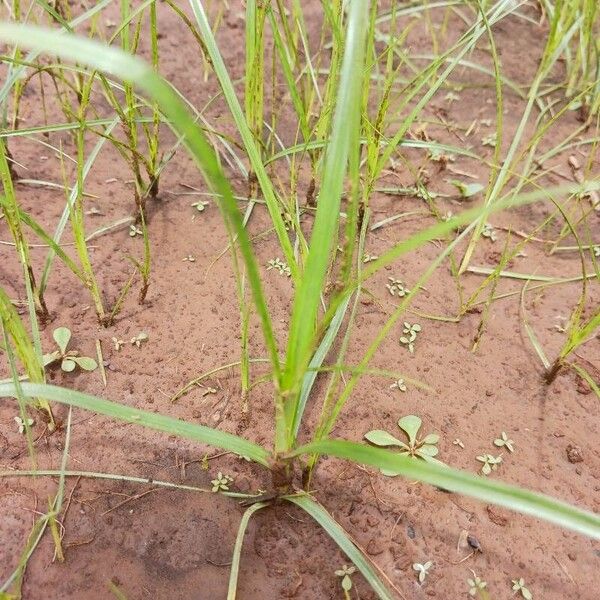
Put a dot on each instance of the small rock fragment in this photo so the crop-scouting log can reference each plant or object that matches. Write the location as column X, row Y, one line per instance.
column 574, row 454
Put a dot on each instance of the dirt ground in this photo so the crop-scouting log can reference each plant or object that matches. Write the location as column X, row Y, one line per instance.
column 159, row 543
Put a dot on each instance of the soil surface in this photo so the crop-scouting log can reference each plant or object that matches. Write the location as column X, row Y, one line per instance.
column 153, row 542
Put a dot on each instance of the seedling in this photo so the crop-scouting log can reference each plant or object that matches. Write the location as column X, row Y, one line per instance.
column 346, row 573
column 367, row 258
column 135, row 230
column 117, row 343
column 398, row 385
column 476, row 585
column 200, row 205
column 189, row 258
column 490, row 463
column 519, row 587
column 458, row 442
column 489, row 232
column 410, row 336
column 69, row 359
column 597, row 251
column 467, row 190
column 423, row 570
column 139, row 339
column 490, row 140
column 221, row 483
column 396, row 287
column 21, row 424
column 503, row 440
column 441, row 157
column 424, row 448
column 279, row 265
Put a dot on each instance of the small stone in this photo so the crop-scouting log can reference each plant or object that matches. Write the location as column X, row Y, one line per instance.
column 574, row 454
column 572, row 556
column 374, row 547
column 496, row 516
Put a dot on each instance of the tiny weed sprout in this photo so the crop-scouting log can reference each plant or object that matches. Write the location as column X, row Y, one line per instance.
column 346, row 573
column 398, row 385
column 489, row 232
column 423, row 448
column 410, row 335
column 281, row 267
column 21, row 424
column 518, row 586
column 367, row 258
column 117, row 343
column 221, row 483
column 422, row 570
column 441, row 157
column 135, row 230
column 490, row 140
column 504, row 441
column 69, row 359
column 189, row 258
column 476, row 585
column 139, row 339
column 467, row 190
column 397, row 288
column 459, row 442
column 490, row 463
column 201, row 205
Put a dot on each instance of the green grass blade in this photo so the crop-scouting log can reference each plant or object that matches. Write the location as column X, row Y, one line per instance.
column 340, row 537
column 482, row 488
column 316, row 362
column 198, row 433
column 237, row 549
column 345, row 127
column 244, row 130
column 129, row 68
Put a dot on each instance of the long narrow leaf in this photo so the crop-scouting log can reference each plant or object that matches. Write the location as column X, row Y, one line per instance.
column 237, row 549
column 488, row 490
column 340, row 537
column 198, row 433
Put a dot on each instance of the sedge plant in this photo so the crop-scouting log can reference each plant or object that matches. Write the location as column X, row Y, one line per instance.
column 311, row 330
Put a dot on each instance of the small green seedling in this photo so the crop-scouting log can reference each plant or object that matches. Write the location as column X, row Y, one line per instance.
column 489, row 232
column 139, row 339
column 117, row 343
column 135, row 230
column 441, row 157
column 467, row 190
column 519, row 587
column 21, row 424
column 459, row 442
column 346, row 573
column 476, row 585
column 424, row 448
column 396, row 287
column 451, row 97
column 189, row 258
column 279, row 265
column 200, row 205
column 367, row 258
column 490, row 140
column 423, row 570
column 398, row 385
column 410, row 336
column 68, row 359
column 221, row 483
column 503, row 440
column 490, row 463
